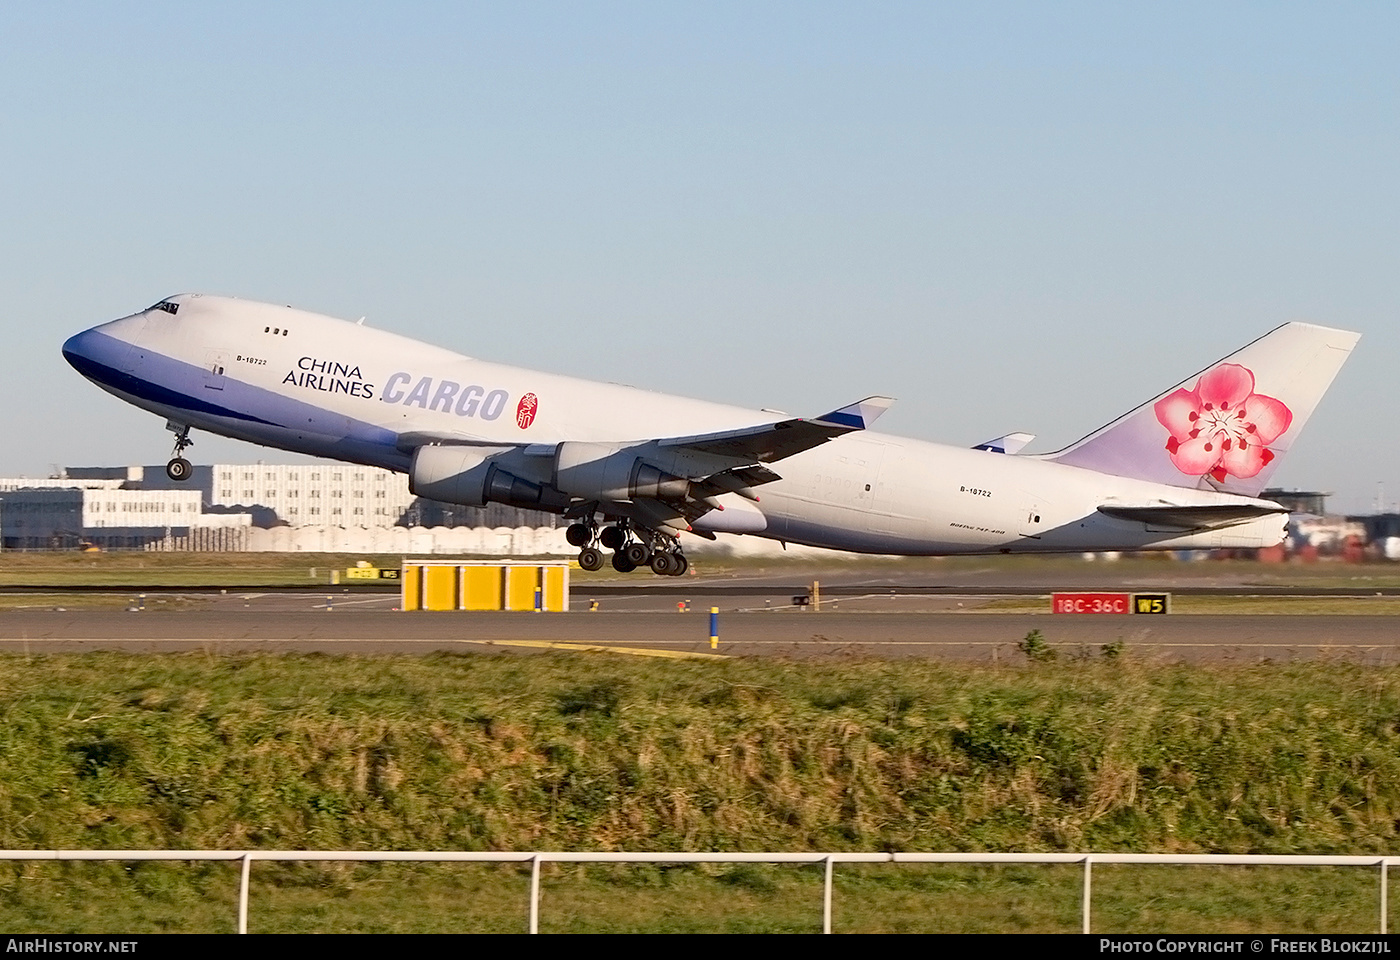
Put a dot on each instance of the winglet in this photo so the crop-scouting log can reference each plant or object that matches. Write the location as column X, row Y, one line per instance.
column 1011, row 443
column 857, row 416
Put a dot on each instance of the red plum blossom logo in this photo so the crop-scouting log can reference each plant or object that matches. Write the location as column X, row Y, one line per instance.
column 1222, row 427
column 525, row 412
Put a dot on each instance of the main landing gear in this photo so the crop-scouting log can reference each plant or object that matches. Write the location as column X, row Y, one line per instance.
column 179, row 469
column 632, row 547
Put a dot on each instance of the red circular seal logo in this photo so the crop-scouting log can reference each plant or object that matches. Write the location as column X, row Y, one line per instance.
column 525, row 412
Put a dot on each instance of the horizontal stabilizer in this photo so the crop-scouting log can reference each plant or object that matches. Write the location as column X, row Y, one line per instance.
column 768, row 442
column 1192, row 517
column 1011, row 443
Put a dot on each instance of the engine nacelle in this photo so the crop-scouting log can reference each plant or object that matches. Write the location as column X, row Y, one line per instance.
column 600, row 471
column 471, row 477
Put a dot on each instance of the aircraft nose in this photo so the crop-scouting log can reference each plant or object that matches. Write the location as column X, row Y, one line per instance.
column 77, row 349
column 103, row 353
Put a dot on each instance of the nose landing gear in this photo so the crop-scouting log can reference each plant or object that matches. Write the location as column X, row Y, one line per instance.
column 179, row 469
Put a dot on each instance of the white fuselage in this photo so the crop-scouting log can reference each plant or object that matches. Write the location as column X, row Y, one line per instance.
column 316, row 385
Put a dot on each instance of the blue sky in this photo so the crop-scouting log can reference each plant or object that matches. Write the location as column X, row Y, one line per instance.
column 1009, row 216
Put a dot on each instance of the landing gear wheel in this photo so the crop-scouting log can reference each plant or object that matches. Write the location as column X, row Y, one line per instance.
column 590, row 558
column 681, row 564
column 612, row 538
column 578, row 535
column 638, row 554
column 621, row 563
column 179, row 469
column 662, row 564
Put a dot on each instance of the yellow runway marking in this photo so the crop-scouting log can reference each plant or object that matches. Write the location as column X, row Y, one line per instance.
column 214, row 641
column 599, row 648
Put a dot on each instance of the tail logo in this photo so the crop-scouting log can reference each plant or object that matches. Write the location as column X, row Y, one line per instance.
column 525, row 411
column 1222, row 427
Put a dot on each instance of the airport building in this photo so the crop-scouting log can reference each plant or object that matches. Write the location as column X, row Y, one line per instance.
column 337, row 495
column 310, row 507
column 68, row 517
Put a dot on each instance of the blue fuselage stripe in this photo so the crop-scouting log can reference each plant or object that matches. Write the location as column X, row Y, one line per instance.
column 127, row 383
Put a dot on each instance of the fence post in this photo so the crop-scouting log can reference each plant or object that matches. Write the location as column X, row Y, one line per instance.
column 1088, row 874
column 535, row 894
column 826, row 898
column 243, row 894
column 1385, row 911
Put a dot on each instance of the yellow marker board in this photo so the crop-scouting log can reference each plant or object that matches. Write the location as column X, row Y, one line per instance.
column 485, row 585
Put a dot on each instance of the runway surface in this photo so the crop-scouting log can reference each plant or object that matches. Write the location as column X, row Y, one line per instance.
column 357, row 627
column 869, row 611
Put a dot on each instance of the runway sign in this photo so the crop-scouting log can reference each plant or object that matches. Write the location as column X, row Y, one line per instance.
column 1152, row 603
column 1091, row 603
column 1155, row 603
column 371, row 573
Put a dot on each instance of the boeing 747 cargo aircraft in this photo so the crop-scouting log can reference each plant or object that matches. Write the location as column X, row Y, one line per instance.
column 633, row 469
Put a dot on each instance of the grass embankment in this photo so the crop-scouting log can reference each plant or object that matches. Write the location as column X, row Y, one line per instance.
column 575, row 752
column 138, row 568
column 142, row 569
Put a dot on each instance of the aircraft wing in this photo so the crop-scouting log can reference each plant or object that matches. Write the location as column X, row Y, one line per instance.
column 1194, row 517
column 712, row 464
column 775, row 441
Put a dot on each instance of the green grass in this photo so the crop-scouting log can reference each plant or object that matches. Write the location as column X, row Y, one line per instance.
column 567, row 751
column 272, row 569
column 176, row 569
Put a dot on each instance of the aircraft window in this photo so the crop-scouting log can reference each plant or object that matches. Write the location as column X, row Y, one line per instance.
column 167, row 306
column 267, row 329
column 284, row 333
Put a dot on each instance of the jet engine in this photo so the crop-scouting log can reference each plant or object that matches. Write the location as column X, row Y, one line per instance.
column 471, row 476
column 600, row 471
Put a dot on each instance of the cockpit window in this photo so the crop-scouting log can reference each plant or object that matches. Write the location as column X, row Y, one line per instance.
column 167, row 306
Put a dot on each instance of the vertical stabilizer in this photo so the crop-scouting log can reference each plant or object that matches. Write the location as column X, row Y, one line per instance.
column 1227, row 427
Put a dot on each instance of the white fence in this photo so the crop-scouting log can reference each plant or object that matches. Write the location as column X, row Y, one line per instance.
column 829, row 860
